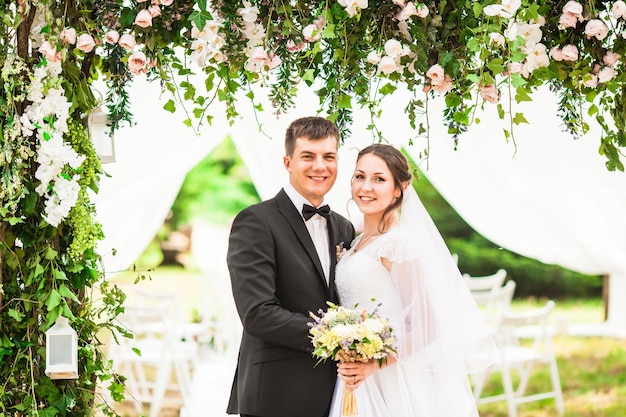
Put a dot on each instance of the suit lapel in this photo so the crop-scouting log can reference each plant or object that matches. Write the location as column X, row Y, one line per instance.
column 287, row 209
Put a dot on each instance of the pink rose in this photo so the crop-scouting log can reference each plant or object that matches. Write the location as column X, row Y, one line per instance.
column 519, row 68
column 387, row 65
column 556, row 53
column 85, row 43
column 610, row 58
column 68, row 35
column 596, row 28
column 154, row 10
column 422, row 10
column 311, row 33
column 275, row 60
column 444, row 86
column 320, row 22
column 490, row 93
column 50, row 52
column 407, row 11
column 292, row 47
column 259, row 58
column 570, row 53
column 436, row 74
column 167, row 2
column 568, row 20
column 141, row 1
column 606, row 74
column 575, row 8
column 373, row 57
column 111, row 37
column 127, row 41
column 137, row 63
column 592, row 81
column 143, row 19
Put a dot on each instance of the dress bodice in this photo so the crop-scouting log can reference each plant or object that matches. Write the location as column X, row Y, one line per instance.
column 362, row 280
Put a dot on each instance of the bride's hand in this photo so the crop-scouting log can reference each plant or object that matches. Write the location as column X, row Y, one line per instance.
column 354, row 373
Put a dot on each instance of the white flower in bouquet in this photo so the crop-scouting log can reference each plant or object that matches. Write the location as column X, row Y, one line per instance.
column 349, row 334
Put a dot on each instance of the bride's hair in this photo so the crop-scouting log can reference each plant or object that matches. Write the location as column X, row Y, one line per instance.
column 397, row 164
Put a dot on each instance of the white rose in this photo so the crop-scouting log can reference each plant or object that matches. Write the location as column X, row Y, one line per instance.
column 618, row 9
column 373, row 326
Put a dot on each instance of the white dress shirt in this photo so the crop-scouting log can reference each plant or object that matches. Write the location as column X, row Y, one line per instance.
column 317, row 227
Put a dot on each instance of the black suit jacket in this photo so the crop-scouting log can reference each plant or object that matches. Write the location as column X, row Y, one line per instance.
column 277, row 279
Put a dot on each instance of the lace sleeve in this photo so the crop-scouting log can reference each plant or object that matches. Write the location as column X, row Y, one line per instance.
column 397, row 247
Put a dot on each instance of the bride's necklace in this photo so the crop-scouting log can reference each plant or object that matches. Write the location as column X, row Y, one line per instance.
column 364, row 240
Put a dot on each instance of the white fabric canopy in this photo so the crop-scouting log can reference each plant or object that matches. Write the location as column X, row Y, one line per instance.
column 152, row 160
column 553, row 200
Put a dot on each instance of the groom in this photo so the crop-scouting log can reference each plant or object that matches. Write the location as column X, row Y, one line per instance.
column 281, row 257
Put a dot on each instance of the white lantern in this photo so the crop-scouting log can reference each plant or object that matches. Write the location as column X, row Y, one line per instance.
column 61, row 351
column 101, row 136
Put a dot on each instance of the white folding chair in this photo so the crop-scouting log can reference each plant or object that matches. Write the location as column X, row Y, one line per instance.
column 495, row 302
column 157, row 352
column 517, row 358
column 486, row 283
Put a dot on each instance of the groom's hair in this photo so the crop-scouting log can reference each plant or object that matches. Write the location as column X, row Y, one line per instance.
column 309, row 128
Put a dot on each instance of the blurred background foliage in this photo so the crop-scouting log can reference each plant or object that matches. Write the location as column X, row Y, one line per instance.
column 218, row 187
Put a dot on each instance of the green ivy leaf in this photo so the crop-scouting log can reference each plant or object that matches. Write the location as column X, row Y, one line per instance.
column 127, row 17
column 473, row 45
column 65, row 292
column 170, row 106
column 388, row 89
column 308, row 77
column 522, row 95
column 64, row 403
column 50, row 254
column 54, row 299
column 16, row 315
column 48, row 412
column 200, row 18
column 496, row 66
column 14, row 220
column 344, row 102
column 329, row 31
column 59, row 275
column 6, row 342
column 519, row 118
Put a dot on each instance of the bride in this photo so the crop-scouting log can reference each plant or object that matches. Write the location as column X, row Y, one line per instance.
column 401, row 262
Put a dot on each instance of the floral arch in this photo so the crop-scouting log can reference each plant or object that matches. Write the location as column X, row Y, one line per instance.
column 492, row 54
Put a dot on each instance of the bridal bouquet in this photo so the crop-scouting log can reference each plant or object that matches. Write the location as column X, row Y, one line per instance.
column 350, row 335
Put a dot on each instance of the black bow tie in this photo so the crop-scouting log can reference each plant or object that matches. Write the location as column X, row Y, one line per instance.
column 309, row 211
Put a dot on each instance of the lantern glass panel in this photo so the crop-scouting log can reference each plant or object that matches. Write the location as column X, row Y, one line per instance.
column 61, row 348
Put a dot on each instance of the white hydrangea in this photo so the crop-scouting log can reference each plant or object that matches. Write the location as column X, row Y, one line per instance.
column 47, row 117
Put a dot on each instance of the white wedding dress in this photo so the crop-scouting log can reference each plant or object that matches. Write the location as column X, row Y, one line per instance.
column 428, row 380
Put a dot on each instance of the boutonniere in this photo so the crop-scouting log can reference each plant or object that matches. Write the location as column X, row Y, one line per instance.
column 340, row 251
